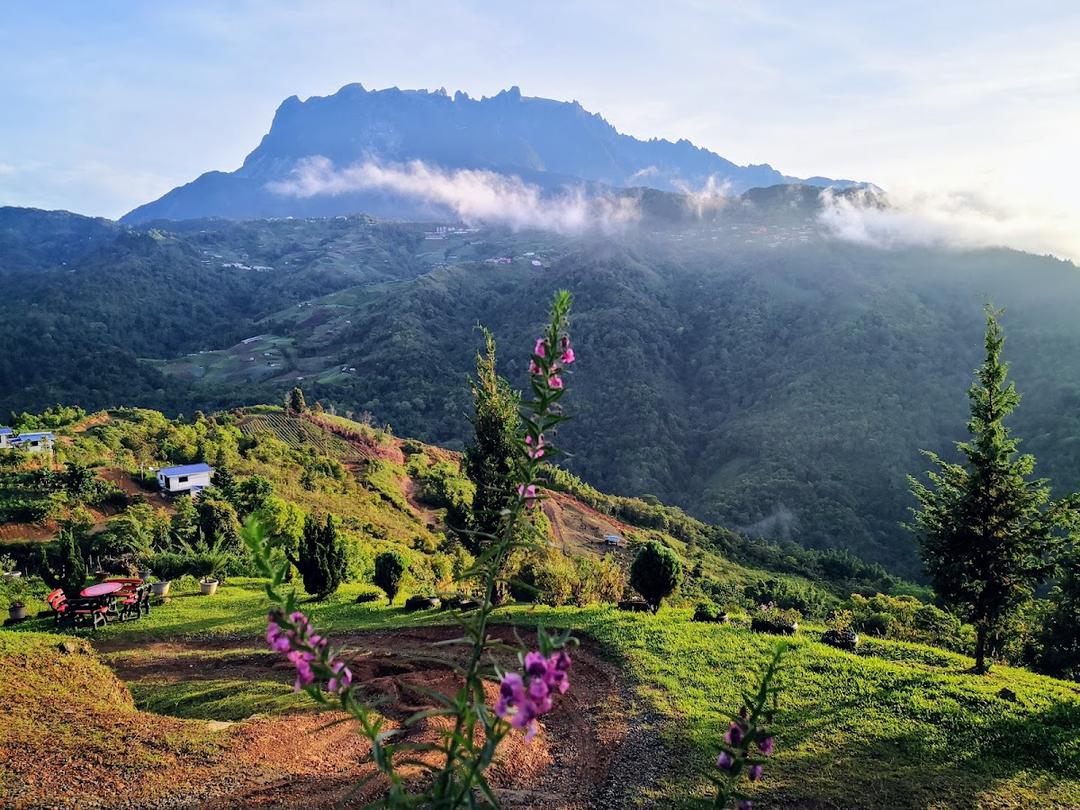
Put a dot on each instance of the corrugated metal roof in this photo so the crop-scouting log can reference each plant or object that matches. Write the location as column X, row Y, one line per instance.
column 6, row 431
column 30, row 437
column 186, row 469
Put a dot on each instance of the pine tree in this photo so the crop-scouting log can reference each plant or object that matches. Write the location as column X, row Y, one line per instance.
column 489, row 460
column 987, row 530
column 295, row 402
column 321, row 561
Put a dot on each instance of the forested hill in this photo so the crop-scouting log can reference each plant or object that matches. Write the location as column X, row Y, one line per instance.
column 746, row 367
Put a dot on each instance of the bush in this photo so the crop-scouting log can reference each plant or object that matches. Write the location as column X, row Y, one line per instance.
column 390, row 568
column 773, row 619
column 709, row 612
column 655, row 573
column 787, row 594
column 907, row 619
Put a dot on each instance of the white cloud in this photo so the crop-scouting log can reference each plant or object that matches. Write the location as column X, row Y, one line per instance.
column 710, row 197
column 957, row 220
column 474, row 195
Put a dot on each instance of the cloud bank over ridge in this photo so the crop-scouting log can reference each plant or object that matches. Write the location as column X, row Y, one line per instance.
column 474, row 195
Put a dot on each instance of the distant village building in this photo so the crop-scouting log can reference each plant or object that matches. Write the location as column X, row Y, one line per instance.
column 34, row 442
column 6, row 435
column 612, row 540
column 193, row 478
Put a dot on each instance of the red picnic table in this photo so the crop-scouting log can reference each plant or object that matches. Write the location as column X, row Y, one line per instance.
column 102, row 589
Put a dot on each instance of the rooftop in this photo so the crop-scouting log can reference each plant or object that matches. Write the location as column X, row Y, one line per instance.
column 186, row 469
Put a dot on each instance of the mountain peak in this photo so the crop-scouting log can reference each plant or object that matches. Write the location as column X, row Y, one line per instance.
column 545, row 142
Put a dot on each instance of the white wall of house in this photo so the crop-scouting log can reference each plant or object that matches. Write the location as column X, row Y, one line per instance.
column 42, row 445
column 184, row 483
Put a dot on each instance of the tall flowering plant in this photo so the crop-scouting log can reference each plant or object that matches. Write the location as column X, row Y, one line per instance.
column 456, row 772
column 748, row 742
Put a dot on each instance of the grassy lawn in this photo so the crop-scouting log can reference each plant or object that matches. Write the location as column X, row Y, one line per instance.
column 897, row 725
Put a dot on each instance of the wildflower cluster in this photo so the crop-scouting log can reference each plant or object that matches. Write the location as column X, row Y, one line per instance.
column 524, row 699
column 748, row 742
column 309, row 652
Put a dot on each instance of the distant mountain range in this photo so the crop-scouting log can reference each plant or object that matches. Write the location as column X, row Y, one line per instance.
column 548, row 144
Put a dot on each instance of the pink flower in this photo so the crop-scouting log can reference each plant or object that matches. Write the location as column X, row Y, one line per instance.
column 567, row 357
column 521, row 702
column 537, row 450
column 534, row 368
column 555, row 382
column 529, row 493
column 540, row 349
column 724, row 761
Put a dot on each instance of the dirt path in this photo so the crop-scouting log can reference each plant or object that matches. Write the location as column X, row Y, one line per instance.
column 592, row 752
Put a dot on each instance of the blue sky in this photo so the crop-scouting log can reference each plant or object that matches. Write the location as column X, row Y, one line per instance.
column 109, row 104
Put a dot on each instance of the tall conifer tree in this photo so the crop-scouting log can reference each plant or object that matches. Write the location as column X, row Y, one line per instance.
column 986, row 528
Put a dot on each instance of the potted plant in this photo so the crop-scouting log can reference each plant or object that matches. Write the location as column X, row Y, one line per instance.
column 17, row 611
column 208, row 586
column 161, row 587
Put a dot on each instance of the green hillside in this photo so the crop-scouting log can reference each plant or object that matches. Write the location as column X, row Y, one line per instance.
column 782, row 383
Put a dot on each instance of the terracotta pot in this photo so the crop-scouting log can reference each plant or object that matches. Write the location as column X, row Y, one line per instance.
column 208, row 588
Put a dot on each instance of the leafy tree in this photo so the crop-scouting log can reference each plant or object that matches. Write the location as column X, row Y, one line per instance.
column 322, row 557
column 78, row 480
column 489, row 460
column 295, row 402
column 655, row 573
column 218, row 524
column 390, row 569
column 986, row 529
column 224, row 484
column 1059, row 634
column 64, row 566
column 251, row 494
column 184, row 524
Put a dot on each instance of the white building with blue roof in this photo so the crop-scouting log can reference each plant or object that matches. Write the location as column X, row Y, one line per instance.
column 6, row 435
column 37, row 442
column 191, row 478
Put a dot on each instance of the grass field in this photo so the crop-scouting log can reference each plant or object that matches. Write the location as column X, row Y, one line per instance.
column 897, row 725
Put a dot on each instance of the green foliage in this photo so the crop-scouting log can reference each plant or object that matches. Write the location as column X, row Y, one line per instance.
column 804, row 597
column 1057, row 649
column 322, row 560
column 987, row 530
column 907, row 619
column 489, row 460
column 295, row 402
column 390, row 568
column 64, row 565
column 655, row 573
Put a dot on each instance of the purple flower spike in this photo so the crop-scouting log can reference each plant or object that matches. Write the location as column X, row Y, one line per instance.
column 755, row 772
column 724, row 761
column 734, row 734
column 766, row 746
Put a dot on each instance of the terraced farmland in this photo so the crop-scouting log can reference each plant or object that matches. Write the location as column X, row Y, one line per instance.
column 300, row 433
